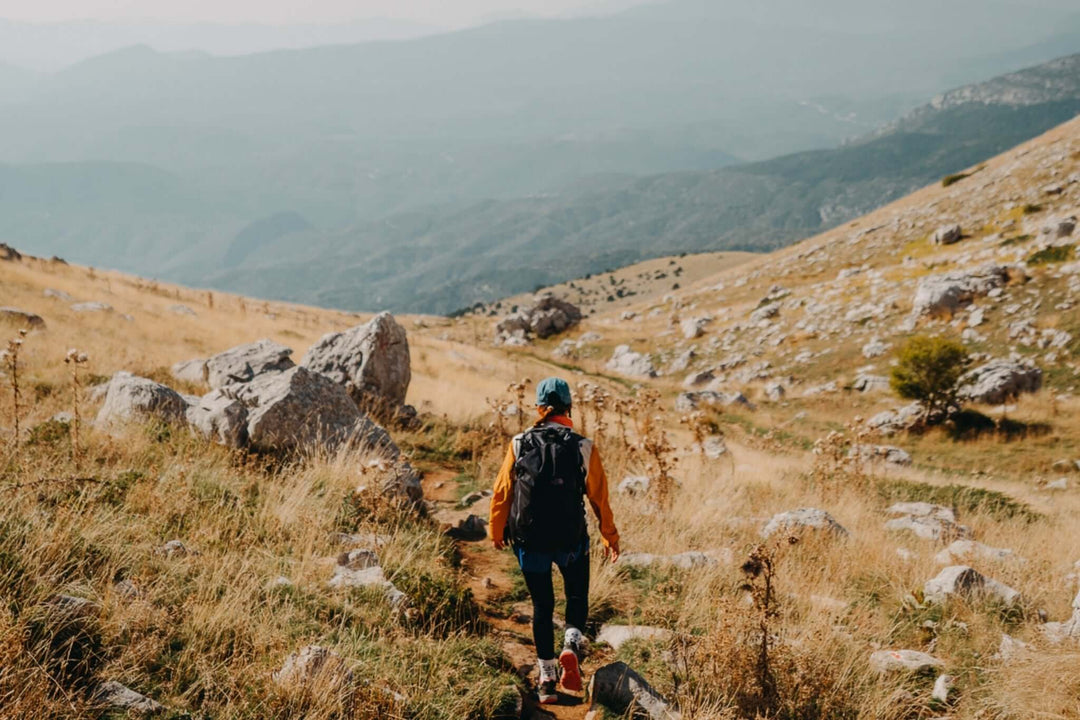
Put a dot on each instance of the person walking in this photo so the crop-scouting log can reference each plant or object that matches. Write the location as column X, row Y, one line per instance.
column 538, row 509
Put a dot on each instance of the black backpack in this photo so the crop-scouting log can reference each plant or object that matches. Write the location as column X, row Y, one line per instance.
column 547, row 513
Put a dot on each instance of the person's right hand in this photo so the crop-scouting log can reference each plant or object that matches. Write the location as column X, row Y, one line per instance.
column 498, row 543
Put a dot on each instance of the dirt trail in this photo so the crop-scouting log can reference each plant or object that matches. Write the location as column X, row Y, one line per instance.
column 490, row 577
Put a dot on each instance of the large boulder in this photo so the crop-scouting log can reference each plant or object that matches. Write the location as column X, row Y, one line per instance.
column 220, row 416
column 193, row 371
column 943, row 295
column 131, row 398
column 21, row 318
column 891, row 422
column 370, row 361
column 999, row 381
column 624, row 692
column 547, row 316
column 963, row 581
column 244, row 363
column 299, row 410
column 802, row 520
column 627, row 362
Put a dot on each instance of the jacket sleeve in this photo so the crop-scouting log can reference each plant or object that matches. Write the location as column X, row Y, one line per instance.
column 596, row 487
column 502, row 495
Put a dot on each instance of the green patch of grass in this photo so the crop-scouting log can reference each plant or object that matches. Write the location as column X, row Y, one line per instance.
column 1008, row 242
column 1032, row 209
column 49, row 433
column 963, row 497
column 1052, row 254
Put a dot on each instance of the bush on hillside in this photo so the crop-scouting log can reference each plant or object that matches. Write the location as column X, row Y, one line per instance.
column 928, row 371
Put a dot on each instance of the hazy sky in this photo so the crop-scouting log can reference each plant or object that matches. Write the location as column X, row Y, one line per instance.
column 442, row 12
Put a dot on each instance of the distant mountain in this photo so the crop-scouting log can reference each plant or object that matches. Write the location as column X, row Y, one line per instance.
column 443, row 259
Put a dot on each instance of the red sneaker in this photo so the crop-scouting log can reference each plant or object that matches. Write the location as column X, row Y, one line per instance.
column 571, row 671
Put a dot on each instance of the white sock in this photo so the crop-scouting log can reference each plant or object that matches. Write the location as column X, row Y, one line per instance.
column 549, row 669
column 574, row 637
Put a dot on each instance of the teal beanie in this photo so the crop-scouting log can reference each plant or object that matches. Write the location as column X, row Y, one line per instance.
column 553, row 392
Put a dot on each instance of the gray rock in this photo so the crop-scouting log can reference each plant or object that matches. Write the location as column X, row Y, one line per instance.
column 922, row 509
column 634, row 485
column 691, row 401
column 627, row 362
column 547, row 316
column 618, row 635
column 888, row 454
column 1060, row 228
column 963, row 581
column 92, row 307
column 221, row 417
column 57, row 295
column 713, row 447
column 968, row 549
column 875, row 348
column 698, row 379
column 929, row 527
column 801, row 520
column 999, row 381
column 693, row 328
column 775, row 391
column 684, row 560
column 367, row 577
column 892, row 422
column 112, row 695
column 314, row 668
column 765, row 313
column 134, row 399
column 193, row 371
column 948, row 235
column 944, row 294
column 871, row 383
column 370, row 361
column 622, row 691
column 907, row 661
column 299, row 411
column 470, row 529
column 182, row 310
column 175, row 549
column 21, row 318
column 244, row 363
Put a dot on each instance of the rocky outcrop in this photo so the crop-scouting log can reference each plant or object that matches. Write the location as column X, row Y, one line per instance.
column 244, row 363
column 966, row 582
column 370, row 361
column 888, row 454
column 114, row 696
column 315, row 668
column 802, row 520
column 891, row 422
column 907, row 661
column 927, row 521
column 131, row 398
column 619, row 689
column 947, row 235
column 690, row 401
column 627, row 362
column 21, row 318
column 547, row 316
column 999, row 381
column 360, row 568
column 220, row 416
column 192, row 371
column 943, row 295
column 298, row 411
column 970, row 549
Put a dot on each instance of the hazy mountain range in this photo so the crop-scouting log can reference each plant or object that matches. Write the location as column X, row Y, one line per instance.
column 439, row 171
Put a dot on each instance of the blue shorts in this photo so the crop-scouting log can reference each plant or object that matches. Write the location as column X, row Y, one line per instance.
column 538, row 562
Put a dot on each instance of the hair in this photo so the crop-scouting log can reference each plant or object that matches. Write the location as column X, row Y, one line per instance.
column 549, row 411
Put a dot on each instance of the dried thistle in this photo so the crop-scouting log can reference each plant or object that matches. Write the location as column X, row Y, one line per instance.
column 75, row 359
column 11, row 364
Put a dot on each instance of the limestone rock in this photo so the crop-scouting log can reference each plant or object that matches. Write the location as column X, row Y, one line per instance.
column 129, row 398
column 221, row 417
column 963, row 581
column 634, row 485
column 92, row 307
column 683, row 561
column 193, row 371
column 622, row 691
column 892, row 422
column 945, row 294
column 968, row 549
column 871, row 383
column 690, row 401
column 875, row 348
column 999, row 381
column 909, row 661
column 314, row 668
column 547, row 316
column 113, row 695
column 618, row 635
column 627, row 362
column 370, row 361
column 244, row 363
column 948, row 234
column 888, row 454
column 765, row 313
column 21, row 318
column 367, row 577
column 801, row 520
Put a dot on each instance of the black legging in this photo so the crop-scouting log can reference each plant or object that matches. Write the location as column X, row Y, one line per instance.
column 576, row 580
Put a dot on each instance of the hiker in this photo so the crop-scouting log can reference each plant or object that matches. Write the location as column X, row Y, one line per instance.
column 538, row 509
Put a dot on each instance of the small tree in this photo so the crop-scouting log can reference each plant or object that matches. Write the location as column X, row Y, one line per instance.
column 928, row 371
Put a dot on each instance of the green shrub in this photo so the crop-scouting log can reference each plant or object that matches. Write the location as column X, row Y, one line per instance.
column 928, row 370
column 1053, row 254
column 964, row 498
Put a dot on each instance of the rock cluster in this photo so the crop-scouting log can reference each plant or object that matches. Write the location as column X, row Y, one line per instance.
column 547, row 316
column 370, row 361
column 999, row 381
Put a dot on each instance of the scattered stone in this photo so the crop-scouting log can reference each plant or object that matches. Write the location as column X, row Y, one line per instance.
column 922, row 509
column 221, row 417
column 999, row 381
column 367, row 577
column 968, row 549
column 21, row 318
column 547, row 316
column 775, row 391
column 1059, row 484
column 370, row 361
column 963, row 581
column 627, row 362
column 691, row 401
column 948, row 235
column 174, row 550
column 871, row 383
column 698, row 379
column 471, row 529
column 1058, row 632
column 713, row 448
column 928, row 528
column 684, row 560
column 57, row 295
column 803, row 519
column 765, row 313
column 315, row 668
column 908, row 661
column 92, row 307
column 113, row 695
column 1060, row 228
column 1010, row 648
column 875, row 348
column 892, row 422
column 193, row 371
column 618, row 635
column 945, row 294
column 244, row 363
column 620, row 690
column 942, row 687
column 634, row 485
column 129, row 398
column 182, row 310
column 887, row 454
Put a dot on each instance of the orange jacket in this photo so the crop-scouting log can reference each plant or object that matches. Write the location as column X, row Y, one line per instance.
column 596, row 489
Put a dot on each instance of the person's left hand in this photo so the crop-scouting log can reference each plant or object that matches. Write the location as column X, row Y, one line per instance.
column 611, row 552
column 497, row 543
